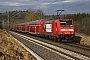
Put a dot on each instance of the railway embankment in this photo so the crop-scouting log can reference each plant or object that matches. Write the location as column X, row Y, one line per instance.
column 10, row 49
column 83, row 39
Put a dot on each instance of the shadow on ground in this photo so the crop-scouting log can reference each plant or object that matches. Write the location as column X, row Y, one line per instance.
column 77, row 39
column 1, row 54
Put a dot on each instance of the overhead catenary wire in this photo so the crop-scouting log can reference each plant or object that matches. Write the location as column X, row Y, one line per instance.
column 50, row 2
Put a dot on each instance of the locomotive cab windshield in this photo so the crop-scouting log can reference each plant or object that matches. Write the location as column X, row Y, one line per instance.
column 66, row 22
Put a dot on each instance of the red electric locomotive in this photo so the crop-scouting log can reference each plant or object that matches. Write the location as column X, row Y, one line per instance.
column 59, row 29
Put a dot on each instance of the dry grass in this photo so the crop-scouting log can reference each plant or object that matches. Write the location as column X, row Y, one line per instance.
column 85, row 39
column 10, row 49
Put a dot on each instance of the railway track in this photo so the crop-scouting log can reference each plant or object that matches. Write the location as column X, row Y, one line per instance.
column 56, row 47
column 79, row 46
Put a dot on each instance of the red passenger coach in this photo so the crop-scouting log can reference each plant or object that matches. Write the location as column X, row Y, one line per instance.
column 36, row 27
column 25, row 27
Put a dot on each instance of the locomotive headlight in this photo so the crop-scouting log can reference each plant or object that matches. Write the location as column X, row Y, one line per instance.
column 71, row 29
column 63, row 30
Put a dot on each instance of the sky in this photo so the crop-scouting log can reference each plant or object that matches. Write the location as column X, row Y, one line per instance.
column 47, row 6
